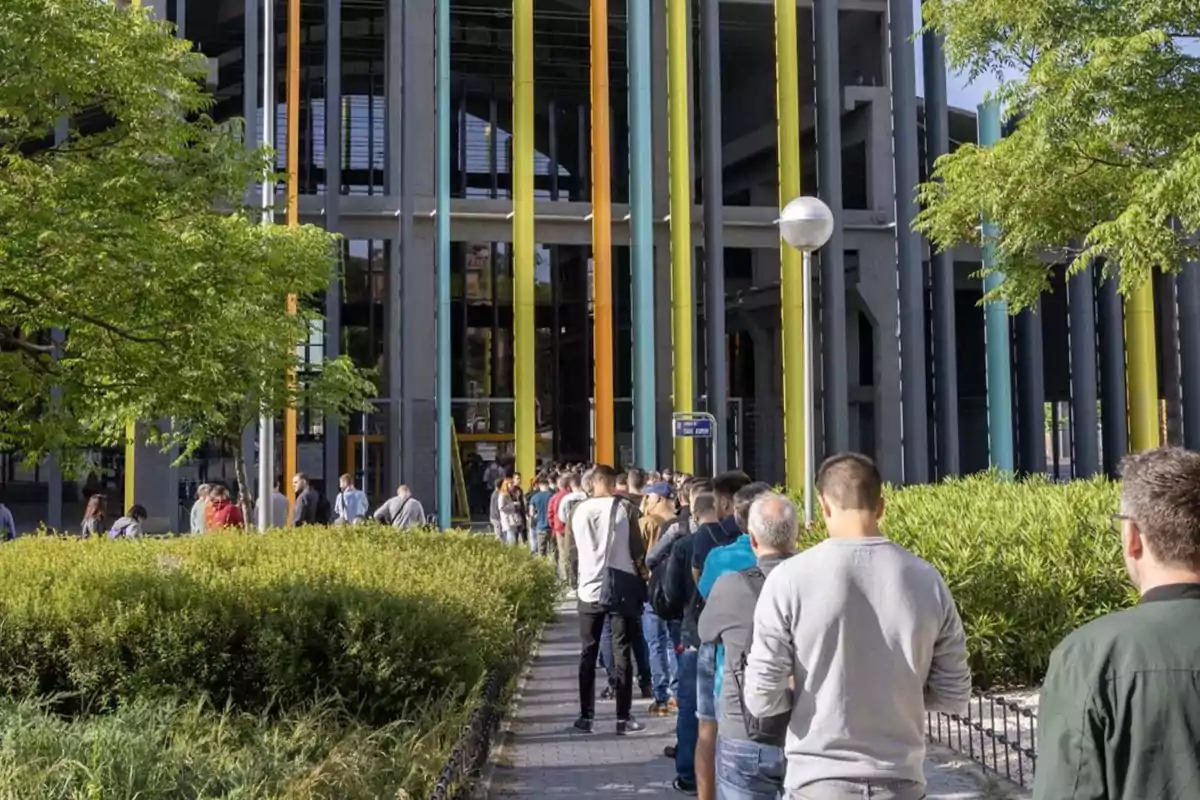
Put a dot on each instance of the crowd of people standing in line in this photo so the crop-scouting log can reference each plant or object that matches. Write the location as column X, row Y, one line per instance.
column 809, row 675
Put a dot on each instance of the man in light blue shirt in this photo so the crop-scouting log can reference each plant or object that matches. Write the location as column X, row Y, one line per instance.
column 8, row 526
column 351, row 506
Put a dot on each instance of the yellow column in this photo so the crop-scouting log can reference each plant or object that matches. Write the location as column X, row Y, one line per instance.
column 791, row 282
column 602, row 240
column 293, row 216
column 525, row 392
column 1141, row 366
column 683, row 312
column 130, row 463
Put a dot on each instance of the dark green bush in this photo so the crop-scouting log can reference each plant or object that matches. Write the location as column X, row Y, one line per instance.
column 376, row 619
column 1027, row 561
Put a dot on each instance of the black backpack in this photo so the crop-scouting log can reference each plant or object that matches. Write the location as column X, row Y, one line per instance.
column 664, row 609
column 764, row 730
column 324, row 510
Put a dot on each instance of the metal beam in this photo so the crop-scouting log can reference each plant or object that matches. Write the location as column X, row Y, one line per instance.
column 679, row 155
column 333, row 197
column 1189, row 347
column 641, row 223
column 602, row 286
column 714, row 224
column 945, row 346
column 1031, row 390
column 1081, row 306
column 445, row 420
column 996, row 326
column 914, row 406
column 1113, row 416
column 393, row 325
column 525, row 393
column 835, row 401
column 410, row 330
column 293, row 213
column 791, row 278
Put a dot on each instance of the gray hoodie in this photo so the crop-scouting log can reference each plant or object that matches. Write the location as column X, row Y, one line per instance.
column 125, row 528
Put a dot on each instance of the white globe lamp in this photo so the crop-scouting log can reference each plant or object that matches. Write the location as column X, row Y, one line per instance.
column 806, row 224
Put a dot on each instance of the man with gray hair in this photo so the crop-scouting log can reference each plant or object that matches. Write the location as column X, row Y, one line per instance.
column 402, row 511
column 870, row 637
column 728, row 620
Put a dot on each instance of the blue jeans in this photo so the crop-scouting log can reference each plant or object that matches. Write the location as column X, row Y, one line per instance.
column 662, row 654
column 706, row 682
column 687, row 727
column 749, row 771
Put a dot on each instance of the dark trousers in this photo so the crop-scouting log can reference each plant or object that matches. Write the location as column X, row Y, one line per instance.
column 591, row 627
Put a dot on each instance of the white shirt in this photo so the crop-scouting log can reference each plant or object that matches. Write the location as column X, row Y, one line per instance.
column 590, row 527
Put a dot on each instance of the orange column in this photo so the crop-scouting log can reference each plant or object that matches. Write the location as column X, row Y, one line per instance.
column 602, row 239
column 293, row 216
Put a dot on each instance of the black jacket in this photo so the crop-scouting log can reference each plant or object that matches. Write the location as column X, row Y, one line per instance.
column 680, row 588
column 1120, row 709
column 306, row 508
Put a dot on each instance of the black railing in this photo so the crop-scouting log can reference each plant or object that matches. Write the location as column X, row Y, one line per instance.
column 470, row 752
column 997, row 733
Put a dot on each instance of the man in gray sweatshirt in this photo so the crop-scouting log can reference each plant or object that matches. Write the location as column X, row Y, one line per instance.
column 773, row 527
column 870, row 638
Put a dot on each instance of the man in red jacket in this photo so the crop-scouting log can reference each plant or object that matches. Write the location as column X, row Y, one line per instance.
column 558, row 528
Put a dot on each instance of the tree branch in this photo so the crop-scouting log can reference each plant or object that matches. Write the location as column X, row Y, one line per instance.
column 21, row 343
column 127, row 335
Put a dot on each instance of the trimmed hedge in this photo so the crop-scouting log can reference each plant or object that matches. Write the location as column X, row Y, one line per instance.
column 1027, row 561
column 375, row 619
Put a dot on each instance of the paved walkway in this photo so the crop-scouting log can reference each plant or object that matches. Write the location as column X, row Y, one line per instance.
column 542, row 755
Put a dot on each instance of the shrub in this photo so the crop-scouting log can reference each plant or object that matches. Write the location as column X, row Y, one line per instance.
column 376, row 619
column 1027, row 562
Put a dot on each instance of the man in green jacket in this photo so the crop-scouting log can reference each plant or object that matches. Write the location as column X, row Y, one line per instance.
column 1120, row 709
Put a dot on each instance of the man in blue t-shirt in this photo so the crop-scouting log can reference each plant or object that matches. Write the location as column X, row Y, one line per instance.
column 539, row 516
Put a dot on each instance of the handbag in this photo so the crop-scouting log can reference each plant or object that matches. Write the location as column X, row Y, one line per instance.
column 621, row 592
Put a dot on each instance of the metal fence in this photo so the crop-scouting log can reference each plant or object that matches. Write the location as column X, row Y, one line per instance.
column 998, row 733
column 470, row 752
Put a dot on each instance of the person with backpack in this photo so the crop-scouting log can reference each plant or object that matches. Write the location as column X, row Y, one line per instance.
column 351, row 506
column 402, row 511
column 728, row 621
column 657, row 509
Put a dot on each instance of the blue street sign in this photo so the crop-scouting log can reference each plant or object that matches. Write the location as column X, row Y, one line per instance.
column 699, row 428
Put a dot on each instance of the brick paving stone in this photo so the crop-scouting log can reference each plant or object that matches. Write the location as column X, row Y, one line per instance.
column 544, row 756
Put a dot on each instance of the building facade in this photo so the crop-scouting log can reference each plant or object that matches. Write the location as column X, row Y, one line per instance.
column 368, row 142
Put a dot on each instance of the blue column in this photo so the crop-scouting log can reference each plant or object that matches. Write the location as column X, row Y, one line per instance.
column 996, row 326
column 445, row 453
column 641, row 223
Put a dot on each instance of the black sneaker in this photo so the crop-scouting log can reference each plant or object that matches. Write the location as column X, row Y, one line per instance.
column 608, row 693
column 684, row 787
column 647, row 690
column 630, row 725
column 584, row 724
column 669, row 751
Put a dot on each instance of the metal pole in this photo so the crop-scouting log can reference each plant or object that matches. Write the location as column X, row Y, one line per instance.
column 914, row 403
column 641, row 224
column 602, row 287
column 1031, row 390
column 445, row 420
column 808, row 388
column 1141, row 364
column 293, row 216
column 333, row 187
column 835, row 395
column 945, row 348
column 523, row 133
column 393, row 463
column 714, row 224
column 1112, row 377
column 266, row 424
column 792, row 289
column 996, row 327
column 1085, row 459
column 1189, row 352
column 410, row 332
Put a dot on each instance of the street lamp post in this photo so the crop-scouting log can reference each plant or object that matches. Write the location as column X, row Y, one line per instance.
column 806, row 224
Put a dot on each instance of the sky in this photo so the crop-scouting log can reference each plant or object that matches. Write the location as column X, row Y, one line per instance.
column 960, row 93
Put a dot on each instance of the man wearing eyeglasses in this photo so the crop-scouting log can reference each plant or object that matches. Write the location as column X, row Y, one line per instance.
column 1120, row 710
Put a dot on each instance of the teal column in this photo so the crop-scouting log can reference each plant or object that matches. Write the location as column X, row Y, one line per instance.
column 996, row 327
column 641, row 224
column 445, row 452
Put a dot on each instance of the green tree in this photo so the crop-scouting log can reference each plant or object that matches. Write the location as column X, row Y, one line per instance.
column 130, row 238
column 1105, row 161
